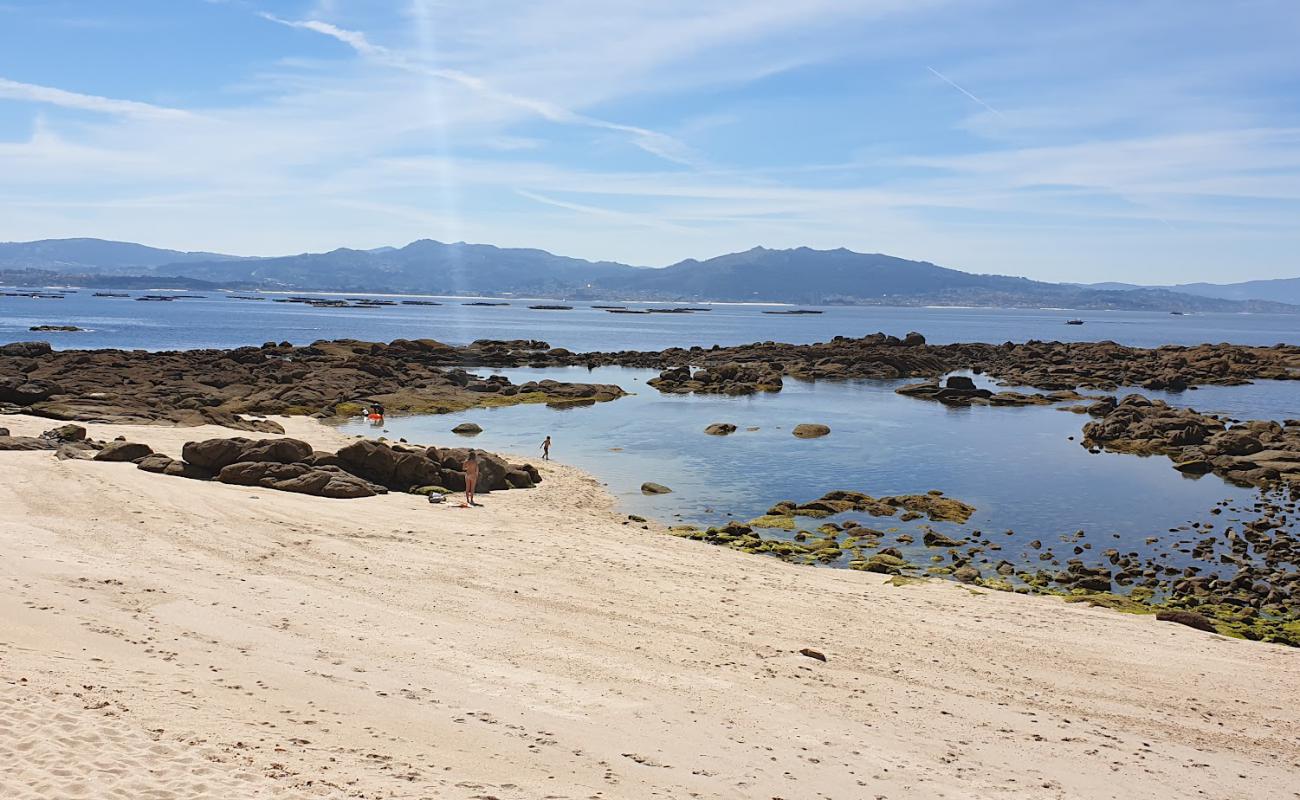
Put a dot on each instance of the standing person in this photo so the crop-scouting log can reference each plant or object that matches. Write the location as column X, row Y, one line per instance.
column 546, row 449
column 471, row 476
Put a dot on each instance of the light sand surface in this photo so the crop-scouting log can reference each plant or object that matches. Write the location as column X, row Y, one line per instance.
column 167, row 638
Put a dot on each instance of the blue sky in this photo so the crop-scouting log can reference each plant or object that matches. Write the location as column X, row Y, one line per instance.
column 1152, row 141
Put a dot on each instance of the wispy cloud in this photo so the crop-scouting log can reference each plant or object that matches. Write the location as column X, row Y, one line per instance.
column 653, row 142
column 14, row 90
column 1071, row 140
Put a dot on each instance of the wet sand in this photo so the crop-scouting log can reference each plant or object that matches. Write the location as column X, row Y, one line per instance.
column 171, row 638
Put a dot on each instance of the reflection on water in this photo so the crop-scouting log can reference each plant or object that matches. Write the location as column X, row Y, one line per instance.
column 1018, row 466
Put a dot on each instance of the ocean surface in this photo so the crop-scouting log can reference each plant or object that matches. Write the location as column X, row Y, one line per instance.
column 1018, row 466
column 217, row 320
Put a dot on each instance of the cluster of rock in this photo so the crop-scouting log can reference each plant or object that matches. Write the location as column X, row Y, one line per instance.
column 362, row 469
column 423, row 375
column 67, row 441
column 1108, row 366
column 218, row 386
column 1258, row 452
column 834, row 541
column 960, row 390
column 933, row 505
column 1050, row 366
column 1258, row 597
column 732, row 379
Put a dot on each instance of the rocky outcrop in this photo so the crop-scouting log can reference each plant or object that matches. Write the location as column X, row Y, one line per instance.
column 1189, row 618
column 361, row 469
column 1259, row 452
column 933, row 505
column 26, row 443
column 123, row 451
column 216, row 454
column 394, row 468
column 811, row 430
column 720, row 429
column 165, row 465
column 1050, row 366
column 324, row 481
column 225, row 387
column 423, row 375
column 650, row 487
column 730, row 379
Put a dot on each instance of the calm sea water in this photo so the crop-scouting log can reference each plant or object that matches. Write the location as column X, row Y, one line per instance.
column 1018, row 466
column 219, row 321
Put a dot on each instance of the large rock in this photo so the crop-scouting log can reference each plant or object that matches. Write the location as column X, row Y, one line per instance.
column 720, row 429
column 165, row 465
column 809, row 430
column 65, row 433
column 383, row 464
column 26, row 443
column 492, row 469
column 1189, row 618
column 26, row 349
column 1234, row 442
column 214, row 454
column 21, row 391
column 123, row 451
column 650, row 487
column 301, row 478
column 468, row 429
column 933, row 538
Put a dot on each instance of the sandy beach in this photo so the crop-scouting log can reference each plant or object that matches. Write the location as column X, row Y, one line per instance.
column 167, row 638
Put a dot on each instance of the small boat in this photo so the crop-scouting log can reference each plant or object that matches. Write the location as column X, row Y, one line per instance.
column 551, row 308
column 484, row 303
column 1074, row 322
column 795, row 312
column 1176, row 313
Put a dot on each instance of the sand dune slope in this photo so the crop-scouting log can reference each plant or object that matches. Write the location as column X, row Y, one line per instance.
column 165, row 638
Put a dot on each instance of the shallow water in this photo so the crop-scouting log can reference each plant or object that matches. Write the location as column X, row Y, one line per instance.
column 216, row 321
column 1017, row 466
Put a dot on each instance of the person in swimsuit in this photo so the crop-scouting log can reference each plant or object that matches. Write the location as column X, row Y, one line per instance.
column 546, row 449
column 471, row 476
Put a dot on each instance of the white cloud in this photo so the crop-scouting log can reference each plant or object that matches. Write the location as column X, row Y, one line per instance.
column 653, row 142
column 30, row 92
column 520, row 124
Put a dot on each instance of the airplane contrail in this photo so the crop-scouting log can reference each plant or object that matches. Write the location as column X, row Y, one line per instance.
column 961, row 89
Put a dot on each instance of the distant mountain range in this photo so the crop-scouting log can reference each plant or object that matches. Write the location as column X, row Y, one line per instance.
column 94, row 256
column 1280, row 290
column 800, row 275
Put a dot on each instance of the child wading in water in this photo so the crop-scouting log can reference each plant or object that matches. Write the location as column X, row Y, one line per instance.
column 546, row 449
column 471, row 477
